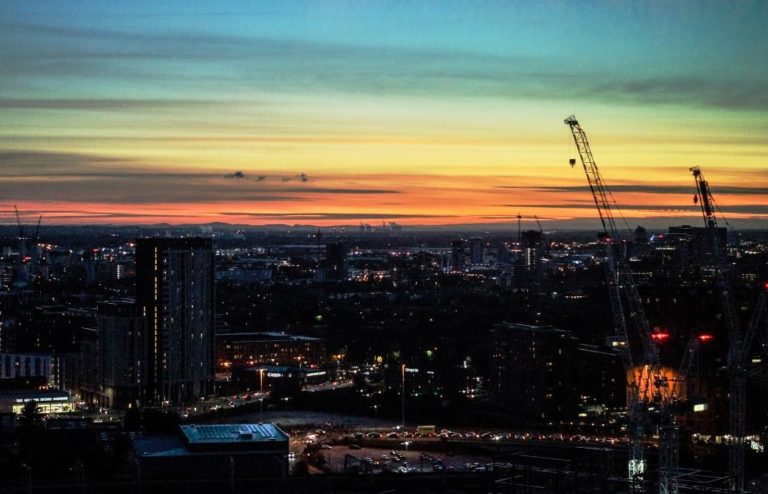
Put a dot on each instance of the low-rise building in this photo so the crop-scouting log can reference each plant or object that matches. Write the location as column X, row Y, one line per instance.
column 209, row 452
column 48, row 400
column 248, row 349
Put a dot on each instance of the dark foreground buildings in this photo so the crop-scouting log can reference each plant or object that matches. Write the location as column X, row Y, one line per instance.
column 112, row 365
column 533, row 371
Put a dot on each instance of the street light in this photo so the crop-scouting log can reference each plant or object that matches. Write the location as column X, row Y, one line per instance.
column 261, row 394
column 402, row 376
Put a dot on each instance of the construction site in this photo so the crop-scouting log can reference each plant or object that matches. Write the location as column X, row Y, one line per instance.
column 659, row 393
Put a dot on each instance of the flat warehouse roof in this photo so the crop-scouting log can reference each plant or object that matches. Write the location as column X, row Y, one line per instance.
column 232, row 433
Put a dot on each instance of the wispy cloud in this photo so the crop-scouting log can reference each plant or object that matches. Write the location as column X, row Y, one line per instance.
column 644, row 188
column 334, row 216
column 111, row 104
column 298, row 65
column 59, row 176
column 757, row 209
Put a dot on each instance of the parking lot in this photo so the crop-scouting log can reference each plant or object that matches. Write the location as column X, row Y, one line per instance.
column 379, row 460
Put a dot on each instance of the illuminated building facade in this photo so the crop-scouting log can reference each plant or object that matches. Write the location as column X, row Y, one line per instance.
column 248, row 349
column 47, row 401
column 279, row 379
column 175, row 296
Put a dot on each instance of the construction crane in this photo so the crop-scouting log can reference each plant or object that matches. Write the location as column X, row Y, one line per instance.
column 22, row 238
column 36, row 236
column 26, row 243
column 543, row 235
column 648, row 386
column 35, row 240
column 739, row 343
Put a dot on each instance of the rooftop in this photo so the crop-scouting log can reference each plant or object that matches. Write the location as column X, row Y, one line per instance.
column 232, row 433
column 282, row 369
column 265, row 336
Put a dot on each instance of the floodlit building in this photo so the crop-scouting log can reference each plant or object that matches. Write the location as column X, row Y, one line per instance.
column 48, row 401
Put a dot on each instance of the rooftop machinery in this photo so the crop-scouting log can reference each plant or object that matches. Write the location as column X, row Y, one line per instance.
column 647, row 390
column 739, row 343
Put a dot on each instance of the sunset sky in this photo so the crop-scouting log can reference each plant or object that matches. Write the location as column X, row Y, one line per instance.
column 418, row 112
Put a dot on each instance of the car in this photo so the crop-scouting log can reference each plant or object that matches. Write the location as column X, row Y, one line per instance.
column 326, row 446
column 355, row 446
column 392, row 435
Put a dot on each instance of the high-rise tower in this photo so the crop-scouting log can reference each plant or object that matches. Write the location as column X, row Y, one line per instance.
column 175, row 295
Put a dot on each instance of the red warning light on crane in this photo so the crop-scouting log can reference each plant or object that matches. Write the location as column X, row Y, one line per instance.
column 706, row 337
column 660, row 337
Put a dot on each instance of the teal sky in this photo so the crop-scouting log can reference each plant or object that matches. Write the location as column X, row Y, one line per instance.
column 115, row 92
column 701, row 53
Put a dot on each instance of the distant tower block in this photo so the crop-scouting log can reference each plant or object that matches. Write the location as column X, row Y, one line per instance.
column 476, row 250
column 532, row 245
column 458, row 255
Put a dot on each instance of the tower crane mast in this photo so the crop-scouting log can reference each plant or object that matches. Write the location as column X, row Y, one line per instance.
column 650, row 381
column 600, row 195
column 738, row 343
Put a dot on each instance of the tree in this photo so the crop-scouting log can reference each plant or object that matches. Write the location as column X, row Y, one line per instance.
column 30, row 414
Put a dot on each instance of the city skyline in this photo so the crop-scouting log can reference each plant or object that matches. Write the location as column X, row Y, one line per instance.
column 339, row 112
